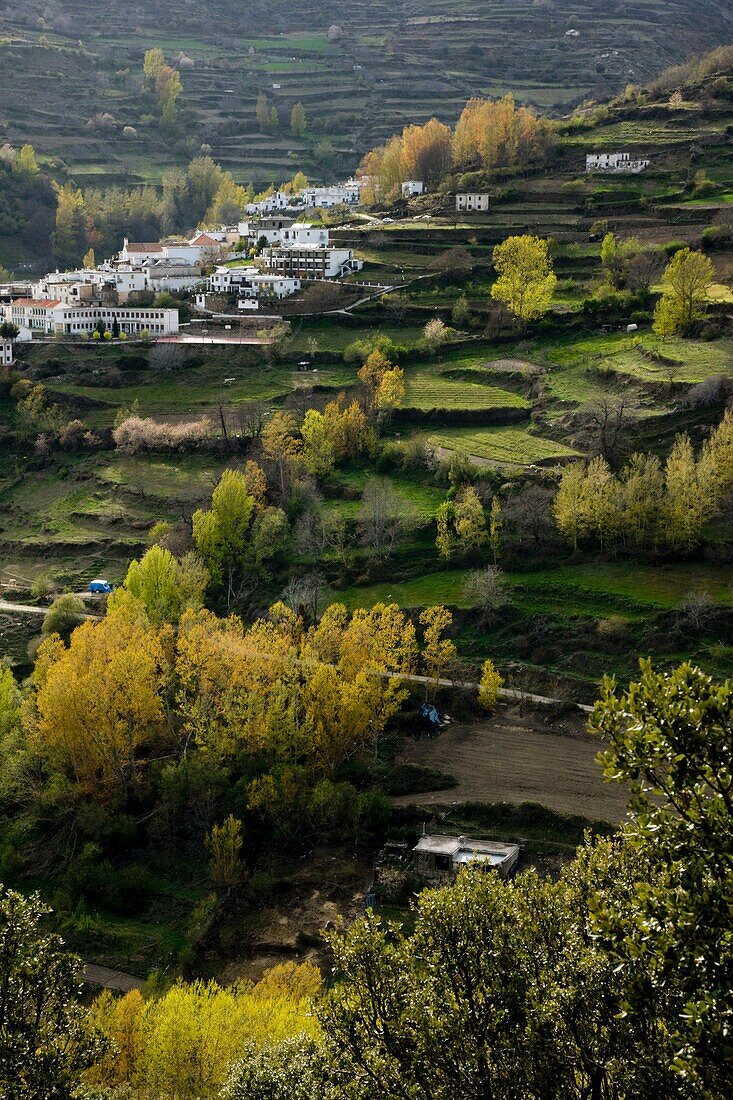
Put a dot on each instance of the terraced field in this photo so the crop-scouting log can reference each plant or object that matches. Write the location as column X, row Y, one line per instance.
column 433, row 388
column 392, row 64
column 501, row 445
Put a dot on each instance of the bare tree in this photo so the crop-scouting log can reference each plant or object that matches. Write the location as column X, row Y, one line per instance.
column 644, row 269
column 383, row 517
column 488, row 589
column 608, row 422
column 167, row 357
column 304, row 595
column 527, row 518
column 696, row 612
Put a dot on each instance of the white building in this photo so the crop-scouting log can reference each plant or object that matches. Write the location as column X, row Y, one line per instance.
column 472, row 202
column 249, row 282
column 614, row 162
column 198, row 250
column 52, row 317
column 339, row 194
column 280, row 200
column 6, row 353
column 411, row 188
column 310, row 261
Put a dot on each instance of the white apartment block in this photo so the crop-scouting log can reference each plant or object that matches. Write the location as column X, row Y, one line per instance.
column 614, row 162
column 412, row 188
column 52, row 317
column 6, row 353
column 471, row 202
column 310, row 261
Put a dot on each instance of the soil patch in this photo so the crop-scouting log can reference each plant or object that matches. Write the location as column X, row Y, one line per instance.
column 511, row 758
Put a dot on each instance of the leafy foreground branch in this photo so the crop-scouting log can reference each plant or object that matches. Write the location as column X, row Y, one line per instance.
column 614, row 981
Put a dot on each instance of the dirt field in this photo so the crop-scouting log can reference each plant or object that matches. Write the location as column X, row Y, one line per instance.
column 515, row 759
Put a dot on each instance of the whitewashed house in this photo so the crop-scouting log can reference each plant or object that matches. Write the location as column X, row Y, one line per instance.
column 6, row 353
column 472, row 202
column 339, row 194
column 412, row 188
column 615, row 163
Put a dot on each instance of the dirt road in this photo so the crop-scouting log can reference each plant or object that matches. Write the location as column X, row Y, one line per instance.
column 513, row 759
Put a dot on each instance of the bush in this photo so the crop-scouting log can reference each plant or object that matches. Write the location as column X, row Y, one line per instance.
column 673, row 247
column 415, row 779
column 145, row 434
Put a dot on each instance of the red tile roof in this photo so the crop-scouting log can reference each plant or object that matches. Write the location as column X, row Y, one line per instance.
column 205, row 239
column 47, row 302
column 143, row 247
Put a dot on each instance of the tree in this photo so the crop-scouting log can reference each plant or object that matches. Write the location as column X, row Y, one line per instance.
column 610, row 259
column 225, row 854
column 670, row 740
column 435, row 334
column 445, row 540
column 63, row 616
column 526, row 281
column 491, row 683
column 9, row 331
column 296, row 1069
column 69, row 235
column 221, row 534
column 262, row 113
column 169, row 87
column 569, row 503
column 470, row 520
column 153, row 65
column 166, row 587
column 298, row 121
column 89, row 261
column 496, row 526
column 228, row 204
column 383, row 517
column 689, row 504
column 26, row 164
column 318, row 452
column 498, row 992
column 454, row 263
column 46, row 1041
column 99, row 705
column 685, row 285
column 487, row 589
column 438, row 652
column 281, row 448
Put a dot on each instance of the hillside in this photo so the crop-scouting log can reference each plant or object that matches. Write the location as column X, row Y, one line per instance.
column 62, row 64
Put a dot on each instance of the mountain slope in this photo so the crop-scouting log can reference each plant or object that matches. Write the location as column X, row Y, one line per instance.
column 63, row 62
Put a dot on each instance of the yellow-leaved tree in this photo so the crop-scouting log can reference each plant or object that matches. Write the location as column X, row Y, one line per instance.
column 99, row 706
column 526, row 280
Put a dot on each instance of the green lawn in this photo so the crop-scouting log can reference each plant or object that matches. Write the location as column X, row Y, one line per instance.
column 571, row 591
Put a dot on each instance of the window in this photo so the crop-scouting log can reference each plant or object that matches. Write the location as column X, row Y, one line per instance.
column 442, row 863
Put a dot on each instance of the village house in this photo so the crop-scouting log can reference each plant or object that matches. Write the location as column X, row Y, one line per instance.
column 340, row 194
column 412, row 188
column 440, row 858
column 614, row 162
column 6, row 353
column 472, row 202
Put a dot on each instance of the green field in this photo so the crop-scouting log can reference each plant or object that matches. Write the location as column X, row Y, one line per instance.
column 501, row 445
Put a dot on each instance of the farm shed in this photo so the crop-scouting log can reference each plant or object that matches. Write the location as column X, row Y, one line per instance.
column 442, row 857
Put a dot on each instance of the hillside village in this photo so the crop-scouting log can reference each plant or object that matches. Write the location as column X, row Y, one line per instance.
column 366, row 600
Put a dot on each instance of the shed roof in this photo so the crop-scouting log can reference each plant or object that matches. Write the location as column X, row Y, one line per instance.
column 462, row 848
